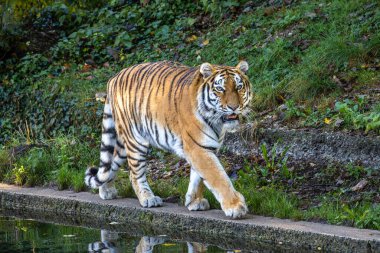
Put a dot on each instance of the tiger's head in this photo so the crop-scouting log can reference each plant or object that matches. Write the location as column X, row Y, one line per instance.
column 224, row 95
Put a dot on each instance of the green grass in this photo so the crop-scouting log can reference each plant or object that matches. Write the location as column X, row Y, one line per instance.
column 63, row 178
column 352, row 114
column 362, row 215
column 61, row 161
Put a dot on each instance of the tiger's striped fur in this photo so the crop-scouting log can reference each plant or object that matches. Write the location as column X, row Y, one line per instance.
column 175, row 108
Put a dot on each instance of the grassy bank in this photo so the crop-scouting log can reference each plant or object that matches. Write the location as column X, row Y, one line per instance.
column 307, row 55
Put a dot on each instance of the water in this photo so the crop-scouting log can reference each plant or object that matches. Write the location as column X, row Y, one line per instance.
column 27, row 235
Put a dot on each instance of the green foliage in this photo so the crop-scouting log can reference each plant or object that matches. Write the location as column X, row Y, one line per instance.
column 349, row 113
column 292, row 110
column 369, row 218
column 63, row 162
column 5, row 162
column 32, row 169
column 355, row 171
column 271, row 201
column 361, row 215
column 353, row 114
column 63, row 178
column 217, row 8
column 273, row 163
column 273, row 168
column 124, row 186
column 77, row 181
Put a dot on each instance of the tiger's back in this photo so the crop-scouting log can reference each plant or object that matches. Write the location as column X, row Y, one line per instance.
column 179, row 109
column 152, row 98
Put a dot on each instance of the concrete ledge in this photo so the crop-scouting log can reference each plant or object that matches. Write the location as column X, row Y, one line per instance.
column 267, row 234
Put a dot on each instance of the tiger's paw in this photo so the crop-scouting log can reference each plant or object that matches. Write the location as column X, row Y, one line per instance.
column 107, row 192
column 236, row 209
column 197, row 204
column 151, row 201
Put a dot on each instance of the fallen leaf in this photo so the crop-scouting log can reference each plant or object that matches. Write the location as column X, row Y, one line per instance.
column 205, row 42
column 327, row 121
column 359, row 186
column 68, row 236
column 101, row 96
column 168, row 244
column 86, row 67
column 192, row 38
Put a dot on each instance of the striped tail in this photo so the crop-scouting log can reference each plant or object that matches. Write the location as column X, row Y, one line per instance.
column 112, row 154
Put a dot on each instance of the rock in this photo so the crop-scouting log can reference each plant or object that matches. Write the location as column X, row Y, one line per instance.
column 247, row 9
column 311, row 15
column 338, row 122
column 282, row 108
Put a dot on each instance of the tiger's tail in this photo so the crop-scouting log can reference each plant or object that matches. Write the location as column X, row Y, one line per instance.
column 109, row 165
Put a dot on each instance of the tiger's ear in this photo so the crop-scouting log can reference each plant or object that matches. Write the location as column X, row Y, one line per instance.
column 243, row 66
column 206, row 70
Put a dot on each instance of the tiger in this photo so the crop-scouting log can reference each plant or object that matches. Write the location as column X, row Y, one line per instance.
column 184, row 110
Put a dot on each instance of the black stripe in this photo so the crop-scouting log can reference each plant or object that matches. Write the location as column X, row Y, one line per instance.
column 173, row 82
column 137, row 164
column 206, row 133
column 109, row 131
column 108, row 148
column 140, row 176
column 107, row 116
column 121, row 156
column 135, row 159
column 136, row 147
column 157, row 135
column 166, row 138
column 104, row 164
column 118, row 165
column 200, row 145
column 121, row 146
column 97, row 180
column 89, row 180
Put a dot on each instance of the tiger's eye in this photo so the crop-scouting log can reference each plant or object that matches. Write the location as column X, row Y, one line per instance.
column 219, row 89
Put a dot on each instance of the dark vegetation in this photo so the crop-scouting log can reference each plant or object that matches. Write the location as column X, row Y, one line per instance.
column 312, row 64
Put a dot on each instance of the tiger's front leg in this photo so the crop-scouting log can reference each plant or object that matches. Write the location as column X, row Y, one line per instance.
column 194, row 196
column 208, row 167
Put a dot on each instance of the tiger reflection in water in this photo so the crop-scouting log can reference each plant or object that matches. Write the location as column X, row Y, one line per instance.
column 146, row 244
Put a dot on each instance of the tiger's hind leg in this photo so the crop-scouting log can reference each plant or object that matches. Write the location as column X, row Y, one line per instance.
column 194, row 196
column 108, row 189
column 136, row 156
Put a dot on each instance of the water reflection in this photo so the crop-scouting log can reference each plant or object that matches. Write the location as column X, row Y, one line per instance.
column 27, row 235
column 109, row 244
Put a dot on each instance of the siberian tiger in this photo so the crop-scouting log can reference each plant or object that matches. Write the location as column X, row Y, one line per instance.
column 176, row 108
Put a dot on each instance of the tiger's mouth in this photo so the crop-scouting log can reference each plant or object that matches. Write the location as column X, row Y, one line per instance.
column 230, row 117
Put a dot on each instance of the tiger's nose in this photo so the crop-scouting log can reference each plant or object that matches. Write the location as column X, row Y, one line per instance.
column 233, row 107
